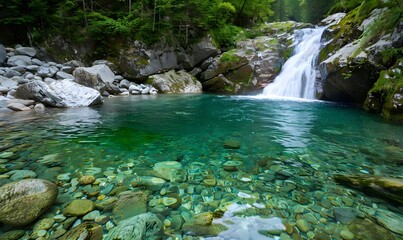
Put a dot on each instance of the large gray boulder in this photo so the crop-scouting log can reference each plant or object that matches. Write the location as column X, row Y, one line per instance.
column 3, row 54
column 63, row 93
column 175, row 82
column 19, row 60
column 95, row 77
column 27, row 51
column 143, row 226
column 24, row 201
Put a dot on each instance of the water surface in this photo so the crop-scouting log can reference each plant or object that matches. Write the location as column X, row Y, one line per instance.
column 289, row 149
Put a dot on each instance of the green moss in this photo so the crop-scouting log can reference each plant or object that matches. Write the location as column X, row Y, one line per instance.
column 229, row 57
column 383, row 95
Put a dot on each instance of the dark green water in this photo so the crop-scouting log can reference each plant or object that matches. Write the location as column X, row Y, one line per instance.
column 310, row 140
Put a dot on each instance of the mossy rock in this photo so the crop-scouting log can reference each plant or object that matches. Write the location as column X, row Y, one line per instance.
column 388, row 188
column 386, row 96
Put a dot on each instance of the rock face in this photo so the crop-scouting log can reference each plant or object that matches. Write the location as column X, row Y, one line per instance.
column 24, row 201
column 94, row 77
column 138, row 62
column 353, row 59
column 386, row 96
column 389, row 188
column 254, row 63
column 63, row 93
column 175, row 82
column 144, row 226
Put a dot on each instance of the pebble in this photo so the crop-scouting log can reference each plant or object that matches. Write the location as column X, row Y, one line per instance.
column 345, row 234
column 41, row 233
column 109, row 225
column 88, row 179
column 303, row 225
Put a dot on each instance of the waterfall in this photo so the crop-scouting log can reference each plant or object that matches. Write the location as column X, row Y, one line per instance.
column 297, row 76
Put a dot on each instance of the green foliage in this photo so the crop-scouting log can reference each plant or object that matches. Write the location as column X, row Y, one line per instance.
column 227, row 35
column 229, row 57
column 390, row 56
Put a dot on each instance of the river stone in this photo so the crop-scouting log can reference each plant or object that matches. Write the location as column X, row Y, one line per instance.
column 18, row 107
column 44, row 224
column 85, row 180
column 129, row 204
column 63, row 75
column 368, row 230
column 22, row 101
column 232, row 144
column 78, row 207
column 19, row 60
column 175, row 82
column 344, row 214
column 303, row 225
column 84, row 231
column 143, row 226
column 63, row 93
column 23, row 201
column 165, row 169
column 12, row 235
column 28, row 51
column 46, row 71
column 152, row 183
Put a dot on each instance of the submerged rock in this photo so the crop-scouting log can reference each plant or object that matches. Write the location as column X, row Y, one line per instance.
column 368, row 230
column 175, row 82
column 129, row 204
column 389, row 188
column 63, row 93
column 144, row 226
column 84, row 231
column 78, row 207
column 24, row 201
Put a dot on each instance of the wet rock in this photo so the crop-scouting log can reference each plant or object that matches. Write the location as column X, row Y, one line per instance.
column 129, row 204
column 84, row 231
column 88, row 179
column 231, row 166
column 46, row 71
column 143, row 226
column 389, row 220
column 152, row 183
column 165, row 169
column 18, row 107
column 345, row 234
column 63, row 93
column 232, row 144
column 386, row 96
column 23, row 201
column 344, row 215
column 175, row 82
column 78, row 207
column 388, row 188
column 368, row 230
column 12, row 235
column 303, row 225
column 63, row 75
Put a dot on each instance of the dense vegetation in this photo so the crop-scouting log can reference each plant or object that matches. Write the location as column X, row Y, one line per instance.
column 148, row 20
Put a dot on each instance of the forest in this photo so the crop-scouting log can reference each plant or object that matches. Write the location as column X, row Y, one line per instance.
column 28, row 21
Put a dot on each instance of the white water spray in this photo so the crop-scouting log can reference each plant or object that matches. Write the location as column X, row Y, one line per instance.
column 297, row 77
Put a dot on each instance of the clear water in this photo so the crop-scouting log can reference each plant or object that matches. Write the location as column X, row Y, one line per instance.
column 297, row 77
column 312, row 140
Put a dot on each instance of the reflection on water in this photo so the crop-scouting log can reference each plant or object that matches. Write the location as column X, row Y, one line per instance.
column 78, row 117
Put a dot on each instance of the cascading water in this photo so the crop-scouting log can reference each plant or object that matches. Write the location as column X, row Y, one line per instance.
column 297, row 77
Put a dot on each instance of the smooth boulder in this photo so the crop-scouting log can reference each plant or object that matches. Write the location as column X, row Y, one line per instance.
column 94, row 77
column 144, row 226
column 175, row 82
column 23, row 201
column 63, row 93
